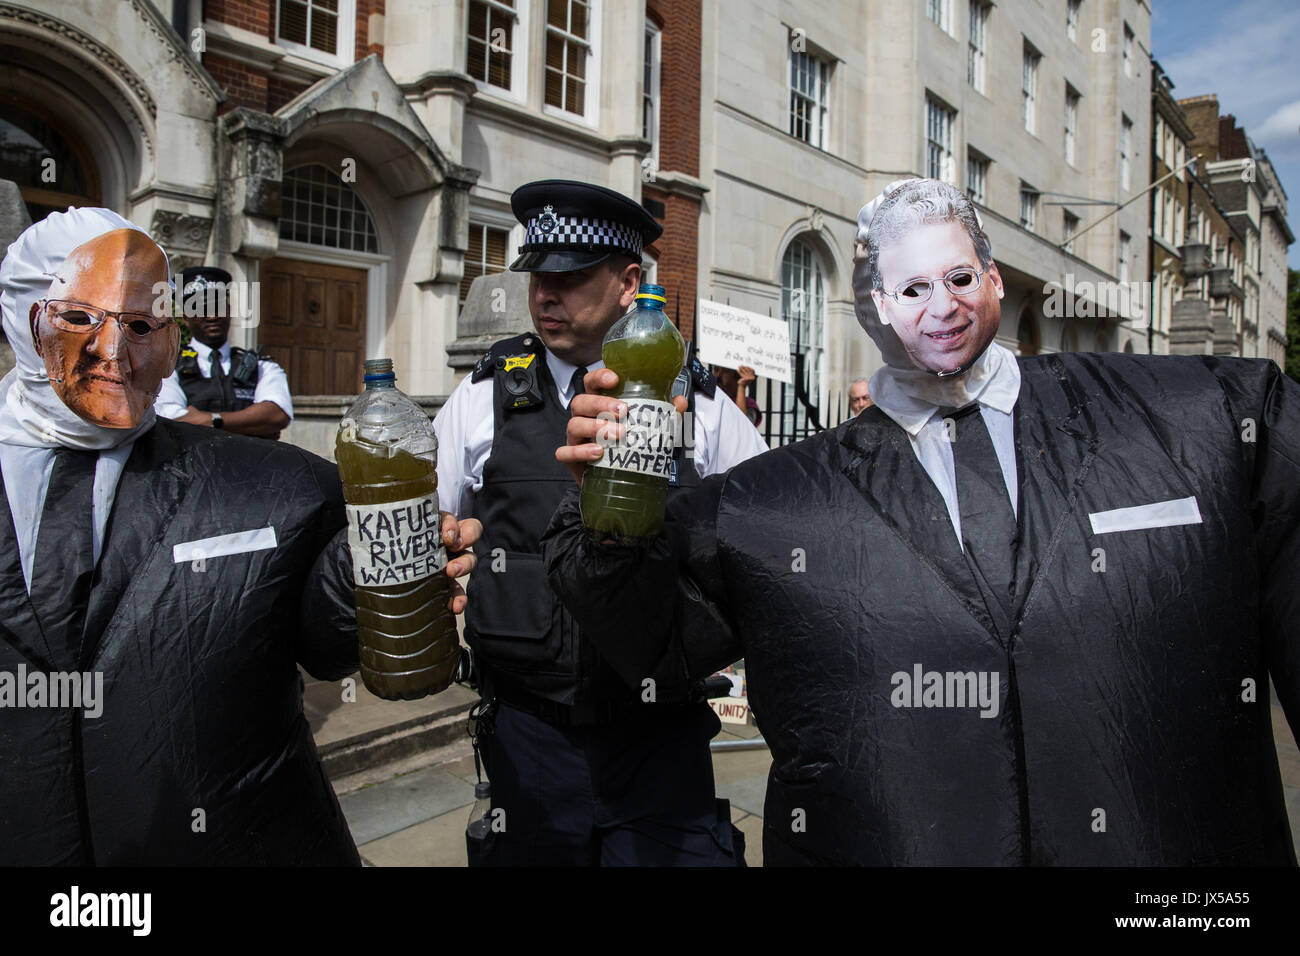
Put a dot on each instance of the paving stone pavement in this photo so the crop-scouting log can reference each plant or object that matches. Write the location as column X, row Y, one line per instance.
column 417, row 818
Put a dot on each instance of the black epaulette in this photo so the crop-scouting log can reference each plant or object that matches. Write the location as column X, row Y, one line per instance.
column 520, row 346
column 701, row 378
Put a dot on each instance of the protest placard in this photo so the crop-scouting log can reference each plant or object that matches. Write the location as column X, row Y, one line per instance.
column 733, row 337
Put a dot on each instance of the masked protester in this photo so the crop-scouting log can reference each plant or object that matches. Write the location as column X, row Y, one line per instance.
column 1022, row 611
column 159, row 585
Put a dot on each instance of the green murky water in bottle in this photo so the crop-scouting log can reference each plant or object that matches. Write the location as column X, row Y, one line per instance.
column 647, row 352
column 387, row 455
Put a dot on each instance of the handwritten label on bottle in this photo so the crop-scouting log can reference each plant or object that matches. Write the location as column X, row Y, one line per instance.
column 647, row 446
column 397, row 542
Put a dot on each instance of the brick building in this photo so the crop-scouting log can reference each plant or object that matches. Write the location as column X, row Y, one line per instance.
column 1171, row 140
column 1246, row 229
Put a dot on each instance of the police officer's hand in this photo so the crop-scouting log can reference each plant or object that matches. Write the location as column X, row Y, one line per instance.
column 458, row 536
column 586, row 428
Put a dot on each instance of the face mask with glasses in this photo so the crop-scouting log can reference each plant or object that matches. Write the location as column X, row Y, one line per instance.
column 69, row 316
column 961, row 281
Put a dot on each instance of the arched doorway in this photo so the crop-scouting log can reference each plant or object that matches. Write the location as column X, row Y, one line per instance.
column 314, row 314
column 51, row 166
column 803, row 306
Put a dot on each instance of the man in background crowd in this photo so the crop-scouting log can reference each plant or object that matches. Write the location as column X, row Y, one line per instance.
column 859, row 396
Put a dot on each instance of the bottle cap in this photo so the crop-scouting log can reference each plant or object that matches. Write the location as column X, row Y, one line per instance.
column 482, row 790
column 651, row 295
column 379, row 370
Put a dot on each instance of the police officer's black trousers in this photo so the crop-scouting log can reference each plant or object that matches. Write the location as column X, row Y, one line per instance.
column 637, row 792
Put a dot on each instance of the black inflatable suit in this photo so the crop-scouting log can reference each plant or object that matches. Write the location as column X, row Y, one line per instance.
column 1129, row 720
column 222, row 565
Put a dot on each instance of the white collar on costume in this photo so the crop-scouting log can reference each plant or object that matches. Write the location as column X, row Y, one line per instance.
column 911, row 397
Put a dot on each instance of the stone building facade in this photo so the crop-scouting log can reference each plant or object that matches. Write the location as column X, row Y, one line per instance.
column 1040, row 111
column 1246, row 281
column 1174, row 263
column 350, row 162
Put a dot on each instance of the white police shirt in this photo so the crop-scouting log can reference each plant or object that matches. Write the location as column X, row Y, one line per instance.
column 272, row 383
column 724, row 437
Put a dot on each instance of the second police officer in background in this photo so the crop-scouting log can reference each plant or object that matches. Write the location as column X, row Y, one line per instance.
column 242, row 393
column 585, row 772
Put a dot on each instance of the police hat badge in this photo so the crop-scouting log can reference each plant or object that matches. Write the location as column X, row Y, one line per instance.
column 547, row 222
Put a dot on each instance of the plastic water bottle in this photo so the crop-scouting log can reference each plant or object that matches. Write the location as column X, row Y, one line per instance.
column 479, row 821
column 625, row 493
column 387, row 454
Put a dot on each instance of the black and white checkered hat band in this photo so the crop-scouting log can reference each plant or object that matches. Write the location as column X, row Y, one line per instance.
column 575, row 231
column 201, row 283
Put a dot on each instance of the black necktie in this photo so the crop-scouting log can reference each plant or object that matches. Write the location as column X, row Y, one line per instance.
column 988, row 525
column 575, row 383
column 218, row 376
column 64, row 561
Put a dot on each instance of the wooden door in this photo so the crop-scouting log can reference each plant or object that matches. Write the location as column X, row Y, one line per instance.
column 314, row 325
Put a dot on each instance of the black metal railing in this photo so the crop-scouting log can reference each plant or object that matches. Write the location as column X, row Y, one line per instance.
column 792, row 413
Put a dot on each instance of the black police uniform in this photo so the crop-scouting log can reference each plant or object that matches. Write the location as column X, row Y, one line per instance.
column 230, row 392
column 219, row 391
column 585, row 770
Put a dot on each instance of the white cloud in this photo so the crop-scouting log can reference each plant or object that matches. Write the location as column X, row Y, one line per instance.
column 1281, row 126
column 1249, row 61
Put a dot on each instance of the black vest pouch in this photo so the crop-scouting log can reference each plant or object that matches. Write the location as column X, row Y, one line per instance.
column 519, row 631
column 515, row 612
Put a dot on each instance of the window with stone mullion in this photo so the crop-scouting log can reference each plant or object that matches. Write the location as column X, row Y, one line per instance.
column 1029, row 88
column 803, row 305
column 808, row 110
column 567, row 49
column 939, row 122
column 977, row 44
column 313, row 23
column 488, row 59
column 486, row 255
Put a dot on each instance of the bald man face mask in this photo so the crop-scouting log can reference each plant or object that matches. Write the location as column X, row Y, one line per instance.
column 105, row 350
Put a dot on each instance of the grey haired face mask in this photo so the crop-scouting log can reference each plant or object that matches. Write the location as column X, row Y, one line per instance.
column 886, row 338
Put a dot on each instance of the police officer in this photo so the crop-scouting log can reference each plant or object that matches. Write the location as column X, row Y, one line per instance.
column 584, row 769
column 243, row 392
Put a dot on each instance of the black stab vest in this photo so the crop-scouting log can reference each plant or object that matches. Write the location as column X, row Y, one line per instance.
column 205, row 394
column 523, row 638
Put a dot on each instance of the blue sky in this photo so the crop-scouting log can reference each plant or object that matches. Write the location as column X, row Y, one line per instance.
column 1247, row 52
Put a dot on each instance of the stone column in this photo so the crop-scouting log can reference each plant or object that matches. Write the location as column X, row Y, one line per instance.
column 248, row 214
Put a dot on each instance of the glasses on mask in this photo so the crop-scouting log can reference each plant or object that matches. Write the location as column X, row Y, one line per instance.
column 70, row 316
column 961, row 281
